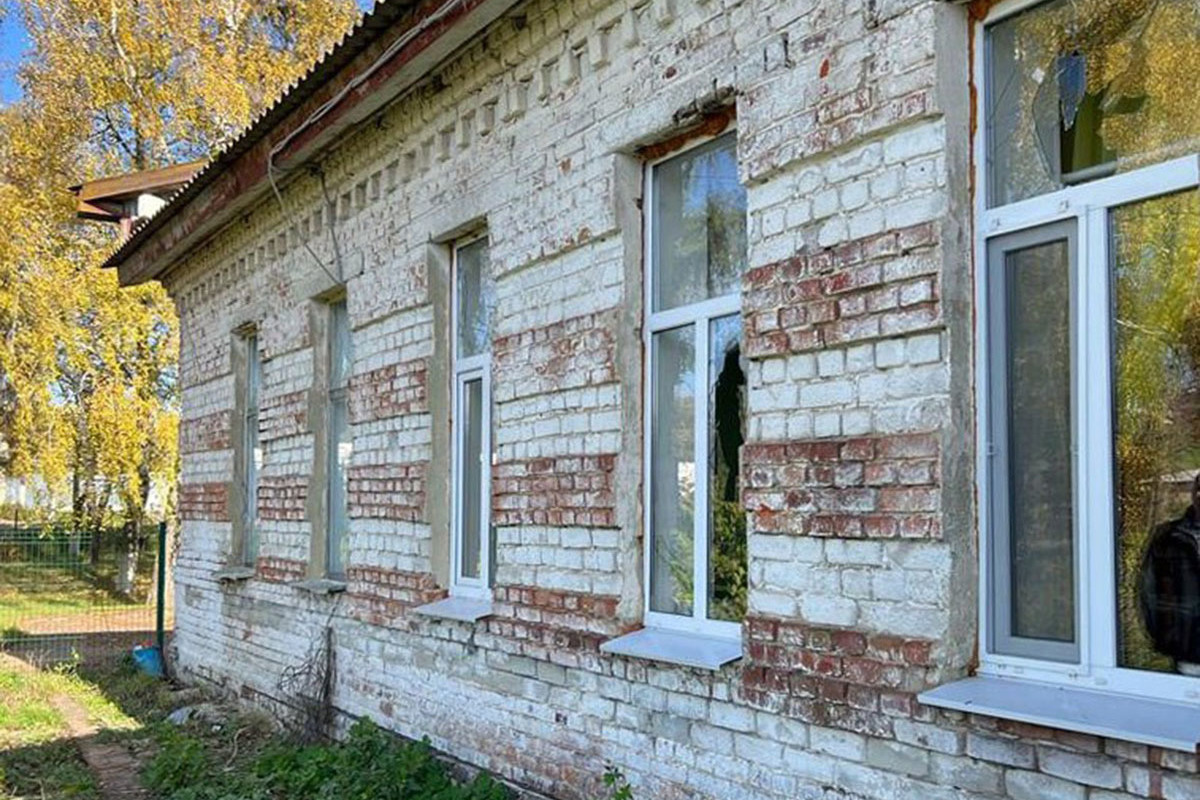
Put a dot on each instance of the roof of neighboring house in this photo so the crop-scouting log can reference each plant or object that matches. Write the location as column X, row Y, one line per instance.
column 103, row 198
column 237, row 175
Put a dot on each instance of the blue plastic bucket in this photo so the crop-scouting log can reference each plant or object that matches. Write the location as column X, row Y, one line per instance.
column 149, row 660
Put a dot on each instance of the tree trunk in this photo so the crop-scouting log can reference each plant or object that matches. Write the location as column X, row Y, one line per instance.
column 77, row 521
column 125, row 580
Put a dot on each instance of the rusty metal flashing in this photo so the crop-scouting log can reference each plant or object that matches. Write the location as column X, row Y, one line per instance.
column 237, row 174
column 121, row 187
column 102, row 199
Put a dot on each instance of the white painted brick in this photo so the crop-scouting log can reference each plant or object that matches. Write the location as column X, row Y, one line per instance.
column 829, row 610
column 1022, row 785
column 1080, row 768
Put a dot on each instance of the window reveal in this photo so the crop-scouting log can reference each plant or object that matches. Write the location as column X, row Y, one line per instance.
column 696, row 403
column 473, row 304
column 341, row 440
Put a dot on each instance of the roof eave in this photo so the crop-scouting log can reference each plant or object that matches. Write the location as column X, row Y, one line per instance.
column 237, row 178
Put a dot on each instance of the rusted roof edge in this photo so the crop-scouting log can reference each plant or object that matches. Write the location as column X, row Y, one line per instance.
column 367, row 31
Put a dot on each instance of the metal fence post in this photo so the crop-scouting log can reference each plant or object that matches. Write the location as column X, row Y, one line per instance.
column 160, row 636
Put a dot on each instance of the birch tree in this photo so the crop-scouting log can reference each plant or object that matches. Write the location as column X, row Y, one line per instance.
column 88, row 371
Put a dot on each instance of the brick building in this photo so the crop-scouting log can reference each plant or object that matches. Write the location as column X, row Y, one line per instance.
column 770, row 398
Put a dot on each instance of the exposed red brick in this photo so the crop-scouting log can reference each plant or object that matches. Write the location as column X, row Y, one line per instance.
column 388, row 491
column 280, row 570
column 881, row 487
column 836, row 677
column 575, row 352
column 282, row 497
column 283, row 415
column 204, row 434
column 554, row 624
column 565, row 491
column 390, row 391
column 204, row 501
column 380, row 596
column 843, row 294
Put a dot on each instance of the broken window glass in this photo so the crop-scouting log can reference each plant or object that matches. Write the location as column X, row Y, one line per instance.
column 1081, row 89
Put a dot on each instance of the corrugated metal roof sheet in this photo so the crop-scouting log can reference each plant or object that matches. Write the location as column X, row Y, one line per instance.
column 369, row 28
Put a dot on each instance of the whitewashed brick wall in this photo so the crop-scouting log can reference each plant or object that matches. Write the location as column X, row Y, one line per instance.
column 857, row 576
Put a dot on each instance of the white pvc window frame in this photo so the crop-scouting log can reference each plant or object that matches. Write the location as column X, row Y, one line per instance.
column 465, row 370
column 1086, row 206
column 700, row 316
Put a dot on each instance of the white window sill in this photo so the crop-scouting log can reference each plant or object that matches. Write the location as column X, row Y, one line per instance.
column 233, row 574
column 459, row 609
column 1117, row 716
column 673, row 647
column 320, row 586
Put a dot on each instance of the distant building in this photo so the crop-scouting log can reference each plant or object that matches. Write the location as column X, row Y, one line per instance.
column 128, row 199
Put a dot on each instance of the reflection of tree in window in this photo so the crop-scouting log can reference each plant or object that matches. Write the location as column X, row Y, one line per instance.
column 1156, row 297
column 1081, row 88
column 727, row 550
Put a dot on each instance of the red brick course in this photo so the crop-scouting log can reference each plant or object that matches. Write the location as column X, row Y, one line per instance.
column 205, row 434
column 849, row 293
column 879, row 487
column 384, row 596
column 575, row 352
column 390, row 391
column 283, row 415
column 565, row 491
column 388, row 491
column 282, row 497
column 204, row 501
column 280, row 570
column 834, row 677
column 553, row 624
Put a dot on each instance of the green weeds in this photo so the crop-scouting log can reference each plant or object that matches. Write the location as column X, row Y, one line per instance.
column 370, row 765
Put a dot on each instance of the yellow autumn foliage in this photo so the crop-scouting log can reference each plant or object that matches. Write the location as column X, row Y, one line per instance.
column 89, row 371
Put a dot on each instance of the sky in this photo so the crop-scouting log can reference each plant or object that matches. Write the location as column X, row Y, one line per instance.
column 14, row 42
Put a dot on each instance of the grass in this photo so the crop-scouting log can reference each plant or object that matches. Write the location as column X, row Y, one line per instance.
column 33, row 589
column 237, row 756
column 54, row 771
column 37, row 757
column 371, row 763
column 27, row 713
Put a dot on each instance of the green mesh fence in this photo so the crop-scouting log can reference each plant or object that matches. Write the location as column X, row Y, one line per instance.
column 77, row 596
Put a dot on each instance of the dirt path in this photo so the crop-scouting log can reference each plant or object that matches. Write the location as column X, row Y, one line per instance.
column 116, row 770
column 119, row 620
column 114, row 767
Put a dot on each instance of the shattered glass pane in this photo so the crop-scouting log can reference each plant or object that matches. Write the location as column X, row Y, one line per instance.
column 1081, row 89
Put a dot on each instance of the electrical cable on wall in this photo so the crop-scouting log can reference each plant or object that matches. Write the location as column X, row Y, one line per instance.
column 408, row 36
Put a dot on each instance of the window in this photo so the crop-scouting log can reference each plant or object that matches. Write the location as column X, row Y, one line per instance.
column 1082, row 89
column 341, row 440
column 1090, row 344
column 696, row 413
column 251, row 448
column 473, row 301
